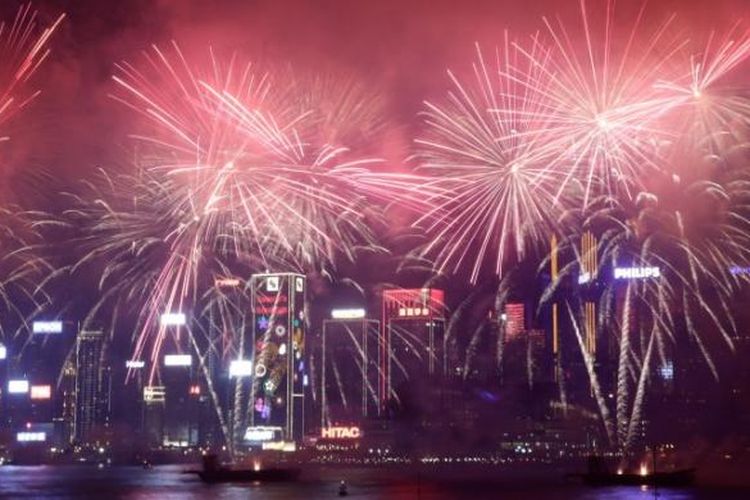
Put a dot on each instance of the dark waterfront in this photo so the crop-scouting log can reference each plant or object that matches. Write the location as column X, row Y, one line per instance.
column 165, row 482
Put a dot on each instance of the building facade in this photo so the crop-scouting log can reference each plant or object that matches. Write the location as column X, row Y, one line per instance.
column 278, row 393
column 349, row 370
column 413, row 337
column 92, row 386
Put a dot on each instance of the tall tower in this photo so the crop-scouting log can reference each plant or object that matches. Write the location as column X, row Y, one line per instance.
column 554, row 265
column 349, row 369
column 229, row 314
column 279, row 352
column 589, row 269
column 412, row 344
column 91, row 384
column 68, row 416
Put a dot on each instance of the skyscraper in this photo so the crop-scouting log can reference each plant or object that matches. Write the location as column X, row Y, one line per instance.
column 68, row 396
column 589, row 270
column 92, row 385
column 515, row 320
column 154, row 402
column 279, row 352
column 229, row 317
column 350, row 368
column 412, row 345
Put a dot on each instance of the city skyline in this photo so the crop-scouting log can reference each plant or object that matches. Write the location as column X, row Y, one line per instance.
column 404, row 233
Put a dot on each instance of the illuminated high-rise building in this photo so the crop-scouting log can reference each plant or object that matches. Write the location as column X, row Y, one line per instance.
column 154, row 406
column 92, row 385
column 413, row 336
column 278, row 389
column 554, row 264
column 178, row 376
column 589, row 270
column 68, row 396
column 515, row 320
column 229, row 318
column 349, row 368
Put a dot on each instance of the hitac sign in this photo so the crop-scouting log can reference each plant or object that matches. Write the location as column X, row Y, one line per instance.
column 340, row 433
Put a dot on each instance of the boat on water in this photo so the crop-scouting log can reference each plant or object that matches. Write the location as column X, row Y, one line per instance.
column 598, row 474
column 215, row 472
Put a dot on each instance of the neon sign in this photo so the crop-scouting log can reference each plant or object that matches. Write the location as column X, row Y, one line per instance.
column 18, row 386
column 340, row 433
column 41, row 392
column 178, row 360
column 26, row 437
column 154, row 393
column 348, row 313
column 227, row 282
column 635, row 273
column 47, row 327
column 241, row 368
column 260, row 434
column 667, row 371
column 173, row 319
column 739, row 270
column 413, row 311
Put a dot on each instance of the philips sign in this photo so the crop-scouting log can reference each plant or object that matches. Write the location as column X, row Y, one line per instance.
column 636, row 273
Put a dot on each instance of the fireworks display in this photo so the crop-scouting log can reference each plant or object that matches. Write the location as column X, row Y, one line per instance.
column 628, row 136
column 23, row 49
column 236, row 172
column 623, row 135
column 24, row 46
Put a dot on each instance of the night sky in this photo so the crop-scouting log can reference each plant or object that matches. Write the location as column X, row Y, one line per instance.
column 400, row 48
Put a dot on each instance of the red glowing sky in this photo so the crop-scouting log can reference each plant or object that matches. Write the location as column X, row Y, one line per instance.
column 401, row 47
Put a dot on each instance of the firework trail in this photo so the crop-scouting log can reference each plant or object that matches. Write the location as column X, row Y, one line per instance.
column 592, row 128
column 241, row 169
column 234, row 175
column 491, row 193
column 600, row 117
column 23, row 49
column 695, row 251
column 22, row 269
column 343, row 110
column 710, row 112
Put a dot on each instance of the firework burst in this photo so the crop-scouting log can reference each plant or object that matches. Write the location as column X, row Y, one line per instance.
column 709, row 112
column 599, row 119
column 695, row 250
column 23, row 49
column 492, row 192
column 235, row 174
